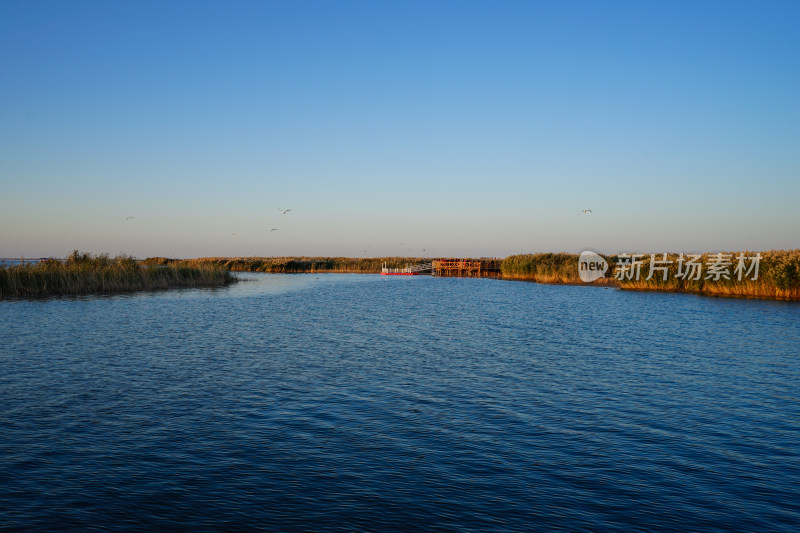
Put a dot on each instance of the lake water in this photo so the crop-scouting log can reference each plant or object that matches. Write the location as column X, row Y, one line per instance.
column 367, row 403
column 7, row 262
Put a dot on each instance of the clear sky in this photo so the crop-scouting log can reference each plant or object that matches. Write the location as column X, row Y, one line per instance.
column 389, row 128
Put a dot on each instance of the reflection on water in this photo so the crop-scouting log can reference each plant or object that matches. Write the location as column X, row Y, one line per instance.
column 349, row 402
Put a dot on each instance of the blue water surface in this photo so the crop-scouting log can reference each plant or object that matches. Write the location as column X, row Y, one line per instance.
column 367, row 403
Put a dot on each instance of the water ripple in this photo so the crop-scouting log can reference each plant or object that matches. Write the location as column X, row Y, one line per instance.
column 357, row 403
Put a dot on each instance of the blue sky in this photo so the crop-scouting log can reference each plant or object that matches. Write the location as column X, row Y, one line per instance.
column 389, row 128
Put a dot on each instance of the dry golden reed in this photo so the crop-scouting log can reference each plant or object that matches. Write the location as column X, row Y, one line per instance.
column 84, row 274
column 778, row 275
column 293, row 265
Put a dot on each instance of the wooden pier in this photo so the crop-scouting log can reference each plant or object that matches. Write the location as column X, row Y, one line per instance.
column 467, row 268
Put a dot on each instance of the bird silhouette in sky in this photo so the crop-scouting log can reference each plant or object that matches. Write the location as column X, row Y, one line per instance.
column 284, row 211
column 587, row 210
column 274, row 229
column 129, row 218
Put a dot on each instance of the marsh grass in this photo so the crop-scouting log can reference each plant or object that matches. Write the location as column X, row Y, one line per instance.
column 293, row 265
column 547, row 268
column 778, row 277
column 779, row 271
column 83, row 274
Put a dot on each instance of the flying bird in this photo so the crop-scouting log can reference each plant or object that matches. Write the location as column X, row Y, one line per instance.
column 233, row 234
column 274, row 229
column 587, row 210
column 129, row 218
column 284, row 211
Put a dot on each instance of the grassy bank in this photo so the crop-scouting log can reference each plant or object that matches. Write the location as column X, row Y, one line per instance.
column 778, row 275
column 546, row 268
column 83, row 274
column 291, row 265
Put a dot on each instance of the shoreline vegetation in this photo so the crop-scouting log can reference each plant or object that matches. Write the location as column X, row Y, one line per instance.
column 293, row 265
column 84, row 274
column 778, row 274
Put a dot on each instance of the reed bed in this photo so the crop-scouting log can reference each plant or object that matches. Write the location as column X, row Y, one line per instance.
column 84, row 274
column 547, row 268
column 778, row 274
column 292, row 265
column 778, row 277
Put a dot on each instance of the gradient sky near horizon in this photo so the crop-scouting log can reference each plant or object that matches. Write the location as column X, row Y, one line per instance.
column 398, row 128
